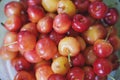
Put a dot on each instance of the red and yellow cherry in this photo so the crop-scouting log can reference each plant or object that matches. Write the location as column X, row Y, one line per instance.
column 45, row 24
column 69, row 46
column 94, row 32
column 24, row 75
column 31, row 27
column 32, row 57
column 90, row 56
column 5, row 54
column 13, row 23
column 43, row 72
column 62, row 23
column 13, row 8
column 35, row 13
column 26, row 41
column 10, row 41
column 50, row 5
column 46, row 48
column 66, row 6
column 60, row 65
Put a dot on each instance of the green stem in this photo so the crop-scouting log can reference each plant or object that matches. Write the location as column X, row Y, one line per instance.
column 69, row 60
column 10, row 43
column 109, row 32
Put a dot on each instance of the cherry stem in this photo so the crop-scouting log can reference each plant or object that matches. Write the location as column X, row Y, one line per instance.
column 69, row 60
column 109, row 32
column 10, row 43
column 111, row 77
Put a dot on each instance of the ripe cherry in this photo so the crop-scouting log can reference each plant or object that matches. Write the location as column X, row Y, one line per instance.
column 80, row 23
column 111, row 16
column 102, row 48
column 97, row 10
column 102, row 67
column 75, row 73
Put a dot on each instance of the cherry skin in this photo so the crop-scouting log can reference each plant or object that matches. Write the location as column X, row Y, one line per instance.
column 75, row 73
column 26, row 41
column 80, row 23
column 56, row 77
column 82, row 5
column 46, row 48
column 111, row 16
column 97, row 10
column 13, row 8
column 43, row 72
column 35, row 13
column 78, row 60
column 20, row 63
column 24, row 75
column 102, row 67
column 102, row 48
column 62, row 23
column 56, row 36
column 13, row 23
column 89, row 73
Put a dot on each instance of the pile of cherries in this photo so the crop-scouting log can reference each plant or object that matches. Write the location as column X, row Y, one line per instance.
column 61, row 39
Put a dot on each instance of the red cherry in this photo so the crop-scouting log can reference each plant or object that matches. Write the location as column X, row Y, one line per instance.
column 80, row 23
column 102, row 48
column 102, row 67
column 78, row 60
column 111, row 16
column 75, row 73
column 97, row 10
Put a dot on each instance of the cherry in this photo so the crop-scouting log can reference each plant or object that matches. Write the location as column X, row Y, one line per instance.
column 26, row 41
column 102, row 67
column 62, row 23
column 98, row 10
column 10, row 41
column 13, row 23
column 43, row 72
column 20, row 63
column 89, row 55
column 102, row 48
column 56, row 77
column 24, row 75
column 46, row 48
column 78, row 60
column 89, row 73
column 35, row 13
column 75, row 73
column 56, row 36
column 111, row 16
column 13, row 8
column 45, row 24
column 80, row 23
column 82, row 5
